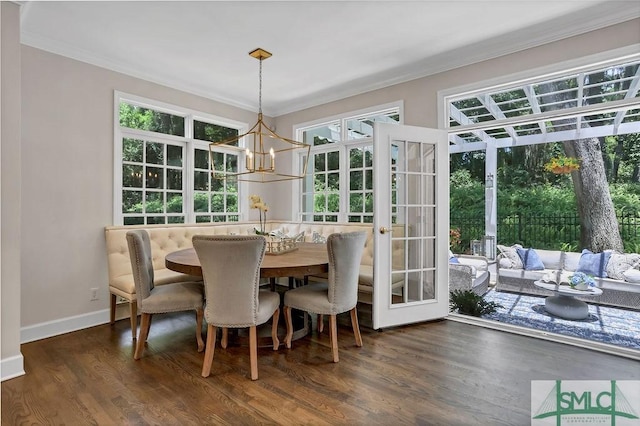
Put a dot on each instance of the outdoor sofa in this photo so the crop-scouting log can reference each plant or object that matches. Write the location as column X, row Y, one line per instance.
column 468, row 272
column 619, row 280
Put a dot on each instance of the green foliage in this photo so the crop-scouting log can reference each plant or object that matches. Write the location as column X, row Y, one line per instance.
column 626, row 198
column 466, row 194
column 541, row 199
column 468, row 303
column 135, row 117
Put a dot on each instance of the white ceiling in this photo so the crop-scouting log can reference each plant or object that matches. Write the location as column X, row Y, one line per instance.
column 323, row 50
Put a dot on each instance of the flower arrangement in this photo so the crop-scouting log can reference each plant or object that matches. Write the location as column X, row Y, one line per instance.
column 454, row 238
column 562, row 164
column 257, row 203
column 581, row 281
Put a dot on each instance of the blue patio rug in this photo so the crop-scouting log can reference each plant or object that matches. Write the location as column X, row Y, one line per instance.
column 605, row 324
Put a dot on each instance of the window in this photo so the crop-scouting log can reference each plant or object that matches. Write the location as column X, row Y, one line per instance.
column 339, row 182
column 162, row 165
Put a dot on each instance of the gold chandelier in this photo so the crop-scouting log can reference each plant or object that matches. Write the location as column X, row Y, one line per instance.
column 262, row 147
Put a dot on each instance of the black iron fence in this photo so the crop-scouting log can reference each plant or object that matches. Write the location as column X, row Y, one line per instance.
column 540, row 231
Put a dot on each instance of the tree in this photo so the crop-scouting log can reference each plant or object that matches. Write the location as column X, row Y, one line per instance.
column 598, row 222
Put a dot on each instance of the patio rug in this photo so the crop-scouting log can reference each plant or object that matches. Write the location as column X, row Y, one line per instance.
column 605, row 324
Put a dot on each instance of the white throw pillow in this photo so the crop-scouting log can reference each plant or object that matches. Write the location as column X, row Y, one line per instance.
column 620, row 263
column 511, row 253
column 632, row 275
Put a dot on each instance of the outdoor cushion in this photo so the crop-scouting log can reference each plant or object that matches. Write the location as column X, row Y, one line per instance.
column 453, row 259
column 551, row 259
column 530, row 259
column 511, row 254
column 632, row 275
column 594, row 263
column 619, row 263
column 571, row 261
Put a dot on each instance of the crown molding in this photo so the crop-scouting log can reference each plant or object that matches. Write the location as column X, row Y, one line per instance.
column 599, row 16
column 63, row 49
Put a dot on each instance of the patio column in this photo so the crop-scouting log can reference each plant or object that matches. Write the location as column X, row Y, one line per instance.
column 491, row 190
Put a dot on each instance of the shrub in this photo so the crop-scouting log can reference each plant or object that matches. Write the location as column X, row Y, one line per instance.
column 468, row 303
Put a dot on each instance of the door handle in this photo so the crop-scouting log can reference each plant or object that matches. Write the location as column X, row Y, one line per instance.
column 384, row 230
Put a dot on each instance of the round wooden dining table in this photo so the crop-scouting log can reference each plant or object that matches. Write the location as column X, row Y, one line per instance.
column 307, row 259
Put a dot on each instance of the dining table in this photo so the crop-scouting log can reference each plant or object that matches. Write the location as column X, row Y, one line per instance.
column 308, row 259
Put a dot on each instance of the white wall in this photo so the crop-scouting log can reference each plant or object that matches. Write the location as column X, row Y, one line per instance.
column 12, row 361
column 67, row 156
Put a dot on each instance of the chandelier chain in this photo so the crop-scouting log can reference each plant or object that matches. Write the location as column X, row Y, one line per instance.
column 260, row 89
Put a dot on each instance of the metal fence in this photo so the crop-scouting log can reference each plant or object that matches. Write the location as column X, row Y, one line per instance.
column 540, row 231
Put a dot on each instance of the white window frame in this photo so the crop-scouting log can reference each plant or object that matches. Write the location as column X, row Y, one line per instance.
column 187, row 141
column 342, row 147
column 577, row 65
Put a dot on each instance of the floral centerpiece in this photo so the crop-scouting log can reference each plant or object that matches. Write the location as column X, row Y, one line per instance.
column 562, row 164
column 581, row 281
column 257, row 203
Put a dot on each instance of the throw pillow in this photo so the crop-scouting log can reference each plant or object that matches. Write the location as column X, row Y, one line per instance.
column 453, row 259
column 594, row 264
column 318, row 238
column 530, row 259
column 632, row 276
column 619, row 263
column 511, row 254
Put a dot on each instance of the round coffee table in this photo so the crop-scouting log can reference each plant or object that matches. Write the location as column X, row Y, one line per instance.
column 563, row 304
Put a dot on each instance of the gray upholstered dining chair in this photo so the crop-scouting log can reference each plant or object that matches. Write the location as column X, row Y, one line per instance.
column 231, row 272
column 183, row 296
column 338, row 295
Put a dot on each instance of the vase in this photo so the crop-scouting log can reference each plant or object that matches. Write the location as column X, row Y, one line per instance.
column 581, row 286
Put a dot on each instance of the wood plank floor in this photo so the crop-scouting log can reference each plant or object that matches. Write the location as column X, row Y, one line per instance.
column 440, row 373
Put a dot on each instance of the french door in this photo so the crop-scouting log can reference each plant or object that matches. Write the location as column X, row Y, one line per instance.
column 411, row 224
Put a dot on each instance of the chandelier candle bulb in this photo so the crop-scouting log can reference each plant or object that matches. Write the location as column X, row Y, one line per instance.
column 273, row 159
column 249, row 159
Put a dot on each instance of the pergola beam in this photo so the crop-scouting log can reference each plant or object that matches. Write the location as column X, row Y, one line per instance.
column 549, row 115
column 461, row 118
column 495, row 110
column 632, row 91
column 535, row 105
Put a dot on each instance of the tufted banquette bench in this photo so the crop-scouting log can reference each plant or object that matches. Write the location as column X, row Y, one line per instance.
column 169, row 238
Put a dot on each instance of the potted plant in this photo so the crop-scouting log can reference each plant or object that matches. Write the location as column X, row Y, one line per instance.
column 562, row 164
column 469, row 303
column 581, row 281
column 257, row 203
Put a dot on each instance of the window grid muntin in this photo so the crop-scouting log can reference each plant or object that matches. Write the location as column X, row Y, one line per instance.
column 365, row 170
column 343, row 145
column 187, row 140
column 148, row 193
column 225, row 189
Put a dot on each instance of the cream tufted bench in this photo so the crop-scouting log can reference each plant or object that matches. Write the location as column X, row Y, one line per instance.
column 168, row 238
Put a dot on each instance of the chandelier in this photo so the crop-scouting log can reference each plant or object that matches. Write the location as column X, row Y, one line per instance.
column 262, row 150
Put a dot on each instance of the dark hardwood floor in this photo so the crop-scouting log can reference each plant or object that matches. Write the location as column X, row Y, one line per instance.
column 440, row 373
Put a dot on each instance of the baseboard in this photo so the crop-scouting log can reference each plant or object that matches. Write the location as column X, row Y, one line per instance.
column 62, row 326
column 11, row 367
